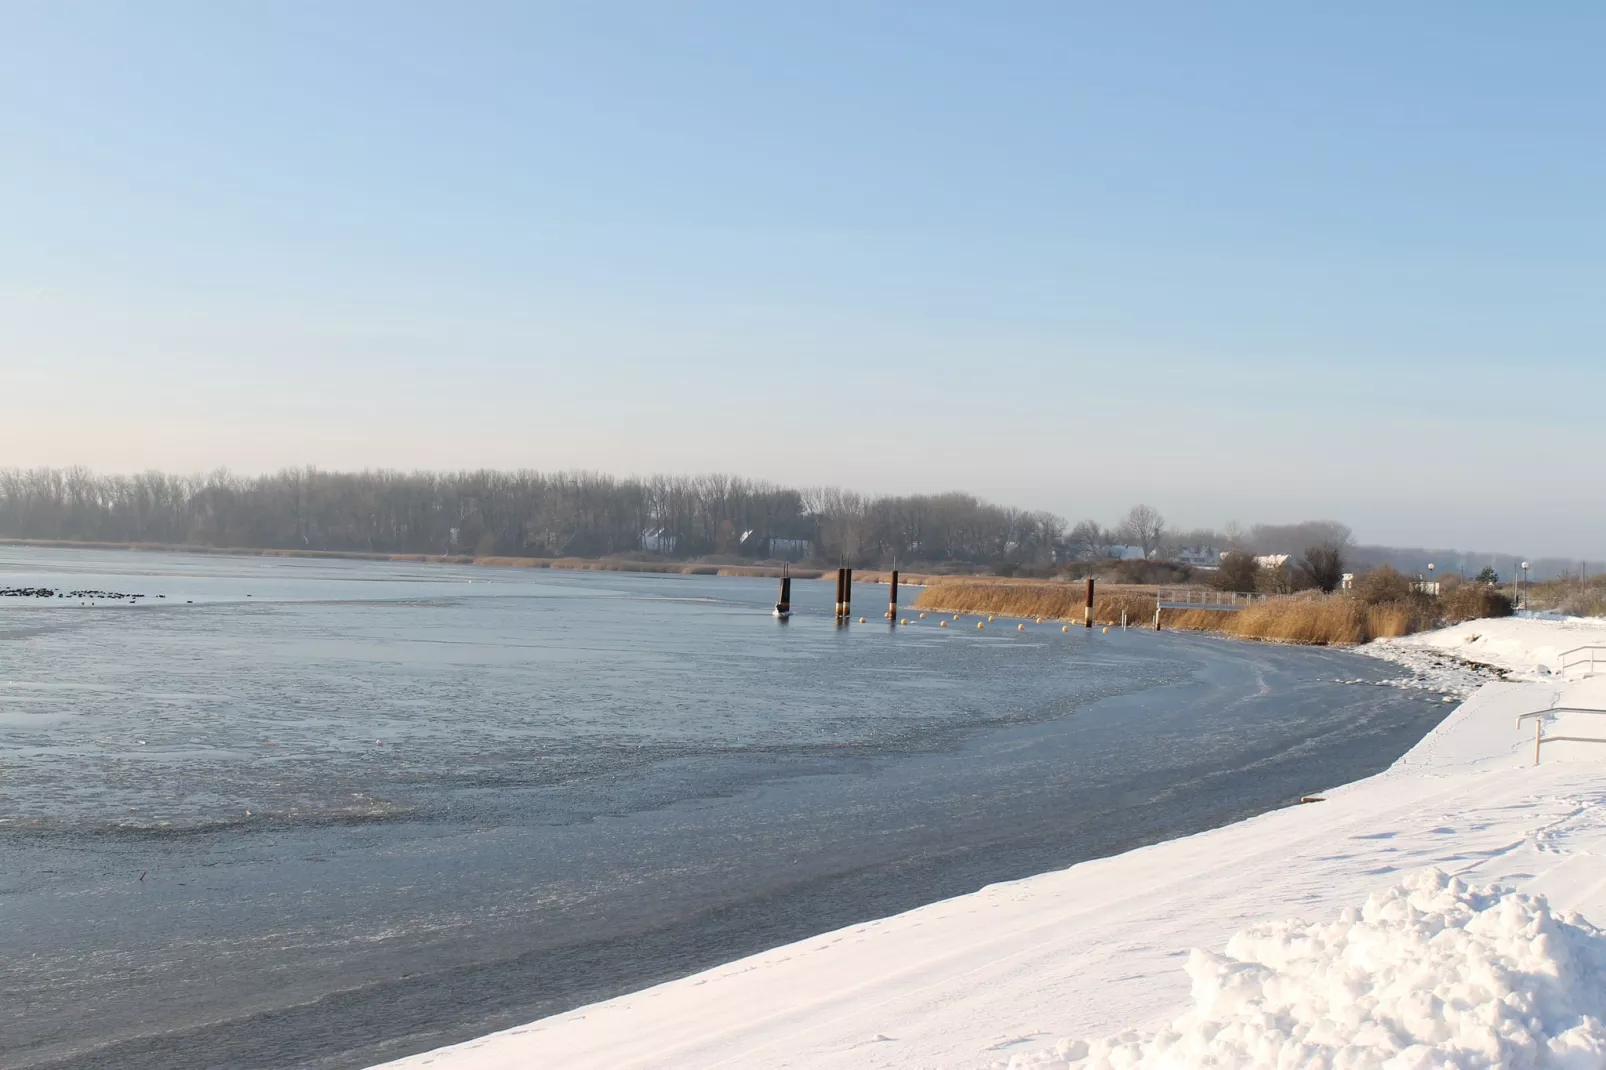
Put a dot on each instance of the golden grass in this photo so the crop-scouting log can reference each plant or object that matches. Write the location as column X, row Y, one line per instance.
column 1316, row 620
column 1051, row 601
column 1313, row 620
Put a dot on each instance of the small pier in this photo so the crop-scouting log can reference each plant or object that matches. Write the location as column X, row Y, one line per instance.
column 1200, row 598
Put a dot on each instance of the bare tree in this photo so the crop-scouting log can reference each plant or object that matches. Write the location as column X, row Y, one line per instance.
column 1143, row 526
column 1087, row 539
column 1291, row 538
column 1323, row 566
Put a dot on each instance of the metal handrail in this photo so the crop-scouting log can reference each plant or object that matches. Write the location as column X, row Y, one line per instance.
column 1566, row 666
column 1200, row 597
column 1539, row 727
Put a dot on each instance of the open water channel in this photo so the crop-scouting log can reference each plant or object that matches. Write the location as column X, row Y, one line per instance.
column 316, row 813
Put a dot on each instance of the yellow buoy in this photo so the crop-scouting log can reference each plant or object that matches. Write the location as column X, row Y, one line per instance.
column 1065, row 627
column 991, row 618
column 1020, row 627
column 922, row 616
column 1106, row 631
column 956, row 616
column 981, row 624
column 904, row 621
column 861, row 621
column 942, row 624
column 1039, row 620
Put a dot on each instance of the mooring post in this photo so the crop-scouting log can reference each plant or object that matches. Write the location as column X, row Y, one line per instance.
column 1087, row 614
column 892, row 597
column 838, row 609
column 784, row 606
column 847, row 592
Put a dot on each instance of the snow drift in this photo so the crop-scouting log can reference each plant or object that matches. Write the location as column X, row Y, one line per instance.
column 1430, row 973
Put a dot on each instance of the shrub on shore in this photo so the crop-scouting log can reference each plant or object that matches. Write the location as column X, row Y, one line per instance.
column 1382, row 584
column 1473, row 601
column 1575, row 596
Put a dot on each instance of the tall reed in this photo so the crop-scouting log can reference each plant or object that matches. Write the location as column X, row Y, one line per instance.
column 1051, row 601
column 1317, row 620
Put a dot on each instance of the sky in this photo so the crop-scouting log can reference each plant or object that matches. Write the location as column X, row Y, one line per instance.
column 1241, row 261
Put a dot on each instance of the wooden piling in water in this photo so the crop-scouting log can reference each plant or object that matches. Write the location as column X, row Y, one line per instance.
column 892, row 596
column 784, row 606
column 1087, row 613
column 838, row 610
column 847, row 592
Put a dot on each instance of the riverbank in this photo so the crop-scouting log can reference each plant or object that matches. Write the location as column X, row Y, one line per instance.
column 1014, row 974
column 1308, row 619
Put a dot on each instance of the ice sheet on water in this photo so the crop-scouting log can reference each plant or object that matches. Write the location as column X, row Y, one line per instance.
column 1430, row 973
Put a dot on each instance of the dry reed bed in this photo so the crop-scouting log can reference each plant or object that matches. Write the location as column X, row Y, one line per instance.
column 1051, row 601
column 1313, row 620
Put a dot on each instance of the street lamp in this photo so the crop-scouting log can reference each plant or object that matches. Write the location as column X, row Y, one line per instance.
column 1522, row 594
column 1430, row 579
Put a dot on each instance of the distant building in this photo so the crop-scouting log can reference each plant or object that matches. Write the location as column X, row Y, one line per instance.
column 1207, row 556
column 1271, row 560
column 657, row 541
column 790, row 549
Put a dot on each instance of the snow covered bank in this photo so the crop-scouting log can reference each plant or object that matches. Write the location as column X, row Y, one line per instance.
column 1099, row 949
column 1431, row 972
column 1527, row 648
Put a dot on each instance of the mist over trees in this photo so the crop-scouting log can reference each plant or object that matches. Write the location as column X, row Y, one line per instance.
column 524, row 514
column 587, row 514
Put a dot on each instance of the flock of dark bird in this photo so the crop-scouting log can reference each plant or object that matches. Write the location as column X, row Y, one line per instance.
column 51, row 592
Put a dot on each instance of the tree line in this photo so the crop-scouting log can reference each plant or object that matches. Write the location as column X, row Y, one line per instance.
column 588, row 514
column 522, row 513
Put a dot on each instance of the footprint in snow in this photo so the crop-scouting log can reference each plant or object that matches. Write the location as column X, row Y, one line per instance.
column 1012, row 1041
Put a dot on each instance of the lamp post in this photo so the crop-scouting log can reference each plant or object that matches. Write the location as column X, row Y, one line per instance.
column 1522, row 592
column 1430, row 587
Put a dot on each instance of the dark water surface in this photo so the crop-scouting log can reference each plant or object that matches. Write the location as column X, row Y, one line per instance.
column 378, row 808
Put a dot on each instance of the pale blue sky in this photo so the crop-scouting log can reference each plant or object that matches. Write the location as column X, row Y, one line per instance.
column 1242, row 261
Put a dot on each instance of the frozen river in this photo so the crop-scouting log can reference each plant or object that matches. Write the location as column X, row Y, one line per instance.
column 307, row 813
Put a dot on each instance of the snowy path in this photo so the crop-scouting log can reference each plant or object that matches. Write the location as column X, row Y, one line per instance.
column 1100, row 947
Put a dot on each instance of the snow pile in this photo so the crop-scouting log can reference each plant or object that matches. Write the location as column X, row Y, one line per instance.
column 1526, row 646
column 1431, row 973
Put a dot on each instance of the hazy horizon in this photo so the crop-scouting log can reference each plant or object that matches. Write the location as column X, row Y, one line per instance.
column 1252, row 530
column 1251, row 264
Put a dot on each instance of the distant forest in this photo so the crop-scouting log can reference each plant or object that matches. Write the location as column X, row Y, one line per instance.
column 582, row 514
column 519, row 514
